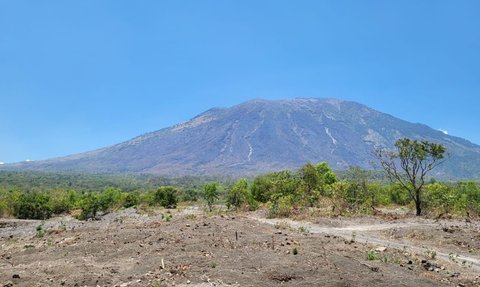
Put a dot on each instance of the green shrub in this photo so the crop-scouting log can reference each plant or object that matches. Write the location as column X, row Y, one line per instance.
column 283, row 206
column 131, row 199
column 468, row 194
column 165, row 196
column 372, row 255
column 210, row 194
column 40, row 232
column 62, row 201
column 32, row 206
column 188, row 194
column 110, row 198
column 90, row 205
column 239, row 195
column 272, row 185
column 399, row 195
column 438, row 197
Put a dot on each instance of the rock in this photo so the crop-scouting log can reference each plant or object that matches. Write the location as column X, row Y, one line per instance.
column 8, row 284
column 381, row 249
column 16, row 276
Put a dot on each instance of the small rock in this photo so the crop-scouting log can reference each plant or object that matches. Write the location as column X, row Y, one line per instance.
column 381, row 249
column 16, row 276
column 461, row 285
column 188, row 281
column 8, row 284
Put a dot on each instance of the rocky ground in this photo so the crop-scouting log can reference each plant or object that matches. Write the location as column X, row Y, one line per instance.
column 189, row 248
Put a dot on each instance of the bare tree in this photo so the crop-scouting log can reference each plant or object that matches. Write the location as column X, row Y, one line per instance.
column 409, row 164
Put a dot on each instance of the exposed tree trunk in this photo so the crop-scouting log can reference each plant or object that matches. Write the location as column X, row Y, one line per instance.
column 418, row 203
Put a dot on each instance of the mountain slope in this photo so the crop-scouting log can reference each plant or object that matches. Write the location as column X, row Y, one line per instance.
column 260, row 136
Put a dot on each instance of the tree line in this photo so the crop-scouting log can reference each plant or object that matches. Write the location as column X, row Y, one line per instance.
column 312, row 188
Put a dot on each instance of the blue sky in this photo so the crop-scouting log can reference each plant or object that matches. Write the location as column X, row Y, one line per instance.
column 80, row 75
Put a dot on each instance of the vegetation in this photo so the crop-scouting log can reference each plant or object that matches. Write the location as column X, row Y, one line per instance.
column 165, row 196
column 210, row 194
column 409, row 165
column 313, row 189
column 239, row 195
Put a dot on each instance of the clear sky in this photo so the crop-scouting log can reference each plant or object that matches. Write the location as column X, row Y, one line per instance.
column 80, row 75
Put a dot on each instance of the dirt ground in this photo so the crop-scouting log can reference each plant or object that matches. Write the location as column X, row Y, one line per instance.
column 133, row 248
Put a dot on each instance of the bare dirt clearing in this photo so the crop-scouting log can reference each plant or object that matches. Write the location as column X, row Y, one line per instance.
column 131, row 249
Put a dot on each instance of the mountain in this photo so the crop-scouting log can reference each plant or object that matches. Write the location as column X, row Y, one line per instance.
column 260, row 136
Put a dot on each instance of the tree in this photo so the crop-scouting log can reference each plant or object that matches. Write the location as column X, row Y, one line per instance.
column 210, row 194
column 409, row 164
column 310, row 182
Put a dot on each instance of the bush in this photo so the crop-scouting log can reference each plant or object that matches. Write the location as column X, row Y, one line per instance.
column 438, row 197
column 189, row 194
column 131, row 199
column 32, row 206
column 262, row 188
column 468, row 194
column 272, row 185
column 7, row 201
column 283, row 206
column 165, row 196
column 240, row 196
column 90, row 205
column 399, row 195
column 110, row 198
column 62, row 201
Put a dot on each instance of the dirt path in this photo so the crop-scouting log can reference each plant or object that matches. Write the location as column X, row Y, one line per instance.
column 362, row 234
